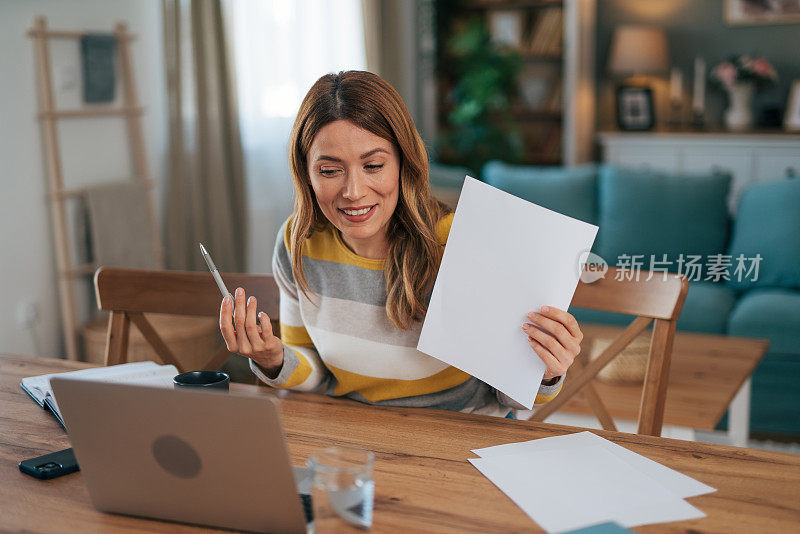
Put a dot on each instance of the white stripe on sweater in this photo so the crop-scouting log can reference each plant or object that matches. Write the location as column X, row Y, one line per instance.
column 370, row 358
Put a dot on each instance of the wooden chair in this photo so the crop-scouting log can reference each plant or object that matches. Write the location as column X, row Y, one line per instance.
column 130, row 293
column 656, row 301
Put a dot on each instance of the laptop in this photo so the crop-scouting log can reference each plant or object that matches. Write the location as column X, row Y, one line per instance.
column 204, row 457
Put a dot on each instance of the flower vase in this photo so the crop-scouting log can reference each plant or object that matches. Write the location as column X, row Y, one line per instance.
column 739, row 115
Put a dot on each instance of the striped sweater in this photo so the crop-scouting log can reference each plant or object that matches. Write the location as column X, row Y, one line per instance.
column 343, row 343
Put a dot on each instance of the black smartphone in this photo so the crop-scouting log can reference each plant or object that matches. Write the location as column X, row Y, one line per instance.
column 50, row 465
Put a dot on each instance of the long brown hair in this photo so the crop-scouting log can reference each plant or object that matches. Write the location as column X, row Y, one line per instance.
column 414, row 254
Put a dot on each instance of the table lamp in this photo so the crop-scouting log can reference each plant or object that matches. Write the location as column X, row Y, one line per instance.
column 637, row 51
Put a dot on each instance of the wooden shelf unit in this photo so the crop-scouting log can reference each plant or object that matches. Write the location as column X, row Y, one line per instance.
column 568, row 115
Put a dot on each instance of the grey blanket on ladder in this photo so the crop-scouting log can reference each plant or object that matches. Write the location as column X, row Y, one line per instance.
column 120, row 225
column 97, row 58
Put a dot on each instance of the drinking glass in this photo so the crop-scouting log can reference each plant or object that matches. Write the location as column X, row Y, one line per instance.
column 342, row 489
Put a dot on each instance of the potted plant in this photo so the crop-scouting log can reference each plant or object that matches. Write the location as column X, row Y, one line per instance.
column 740, row 76
column 478, row 122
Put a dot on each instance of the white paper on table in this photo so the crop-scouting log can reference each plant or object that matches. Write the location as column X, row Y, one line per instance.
column 504, row 258
column 562, row 490
column 675, row 481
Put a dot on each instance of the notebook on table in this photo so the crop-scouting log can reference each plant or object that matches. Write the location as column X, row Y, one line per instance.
column 145, row 373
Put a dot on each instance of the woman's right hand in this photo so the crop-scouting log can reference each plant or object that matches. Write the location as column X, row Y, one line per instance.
column 248, row 338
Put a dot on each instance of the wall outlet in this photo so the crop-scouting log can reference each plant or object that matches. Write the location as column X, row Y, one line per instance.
column 27, row 314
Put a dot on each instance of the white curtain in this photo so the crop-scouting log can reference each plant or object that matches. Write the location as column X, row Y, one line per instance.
column 280, row 49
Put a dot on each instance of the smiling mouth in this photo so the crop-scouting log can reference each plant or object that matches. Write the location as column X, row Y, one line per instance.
column 359, row 211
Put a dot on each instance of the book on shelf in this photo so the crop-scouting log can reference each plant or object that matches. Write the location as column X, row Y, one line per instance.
column 545, row 35
column 535, row 38
column 143, row 373
column 554, row 37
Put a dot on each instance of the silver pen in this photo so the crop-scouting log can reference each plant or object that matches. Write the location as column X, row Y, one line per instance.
column 215, row 273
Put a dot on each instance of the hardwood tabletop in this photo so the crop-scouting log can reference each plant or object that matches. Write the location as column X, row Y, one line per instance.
column 705, row 374
column 423, row 480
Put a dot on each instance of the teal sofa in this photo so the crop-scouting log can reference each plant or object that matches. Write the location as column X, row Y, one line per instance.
column 650, row 213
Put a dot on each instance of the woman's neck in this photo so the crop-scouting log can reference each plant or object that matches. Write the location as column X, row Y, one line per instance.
column 374, row 248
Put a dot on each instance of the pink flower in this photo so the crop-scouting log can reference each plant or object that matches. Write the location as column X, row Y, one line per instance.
column 763, row 68
column 744, row 68
column 726, row 73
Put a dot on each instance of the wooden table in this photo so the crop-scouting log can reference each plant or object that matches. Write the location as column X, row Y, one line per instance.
column 423, row 481
column 707, row 373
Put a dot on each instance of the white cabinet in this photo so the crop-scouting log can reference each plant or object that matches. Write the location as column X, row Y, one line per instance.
column 748, row 158
column 647, row 157
column 777, row 162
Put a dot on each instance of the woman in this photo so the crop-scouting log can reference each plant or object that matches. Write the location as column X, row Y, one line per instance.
column 356, row 261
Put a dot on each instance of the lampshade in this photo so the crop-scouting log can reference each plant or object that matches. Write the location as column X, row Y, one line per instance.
column 638, row 50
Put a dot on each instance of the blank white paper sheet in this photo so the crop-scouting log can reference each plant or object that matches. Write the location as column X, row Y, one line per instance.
column 571, row 451
column 567, row 489
column 504, row 257
column 678, row 483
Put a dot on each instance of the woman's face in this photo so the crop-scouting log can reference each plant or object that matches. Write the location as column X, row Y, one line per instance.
column 355, row 175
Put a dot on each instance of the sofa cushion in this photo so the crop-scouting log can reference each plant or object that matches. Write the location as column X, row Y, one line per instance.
column 585, row 315
column 447, row 181
column 447, row 176
column 567, row 190
column 707, row 308
column 768, row 223
column 775, row 401
column 771, row 313
column 651, row 213
column 775, row 397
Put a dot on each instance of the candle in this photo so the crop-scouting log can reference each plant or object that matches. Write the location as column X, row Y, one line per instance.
column 675, row 86
column 699, row 97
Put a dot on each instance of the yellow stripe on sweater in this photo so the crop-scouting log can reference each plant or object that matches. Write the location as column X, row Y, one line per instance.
column 378, row 389
column 295, row 335
column 299, row 375
column 544, row 399
column 328, row 245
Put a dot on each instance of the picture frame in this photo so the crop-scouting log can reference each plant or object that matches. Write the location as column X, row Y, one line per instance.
column 635, row 109
column 791, row 121
column 506, row 28
column 760, row 12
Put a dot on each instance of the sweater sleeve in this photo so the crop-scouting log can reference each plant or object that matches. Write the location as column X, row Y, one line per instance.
column 543, row 396
column 302, row 368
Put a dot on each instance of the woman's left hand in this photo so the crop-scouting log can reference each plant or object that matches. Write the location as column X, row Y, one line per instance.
column 559, row 344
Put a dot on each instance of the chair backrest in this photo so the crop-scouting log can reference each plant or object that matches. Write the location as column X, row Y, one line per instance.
column 655, row 298
column 129, row 293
